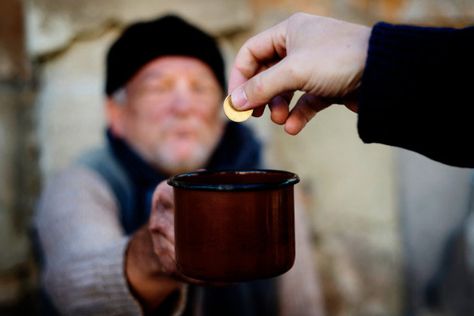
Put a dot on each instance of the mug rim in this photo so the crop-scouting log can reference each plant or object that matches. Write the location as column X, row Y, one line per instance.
column 179, row 181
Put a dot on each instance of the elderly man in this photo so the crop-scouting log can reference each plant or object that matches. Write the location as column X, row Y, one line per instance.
column 104, row 253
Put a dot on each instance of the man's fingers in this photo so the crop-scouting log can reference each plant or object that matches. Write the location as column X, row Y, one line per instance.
column 163, row 246
column 164, row 196
column 255, row 52
column 164, row 250
column 305, row 109
column 264, row 86
column 257, row 112
column 164, row 225
column 237, row 78
column 161, row 222
column 279, row 107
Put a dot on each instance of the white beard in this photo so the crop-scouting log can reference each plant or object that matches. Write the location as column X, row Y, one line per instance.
column 167, row 156
column 167, row 161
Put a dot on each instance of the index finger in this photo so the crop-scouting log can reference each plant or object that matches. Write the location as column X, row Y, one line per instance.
column 263, row 47
column 163, row 194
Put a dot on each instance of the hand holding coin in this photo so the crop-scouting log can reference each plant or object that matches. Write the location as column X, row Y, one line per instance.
column 233, row 114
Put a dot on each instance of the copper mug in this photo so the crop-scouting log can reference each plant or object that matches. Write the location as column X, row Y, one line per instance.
column 233, row 226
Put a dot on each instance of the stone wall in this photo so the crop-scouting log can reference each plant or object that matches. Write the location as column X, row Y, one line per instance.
column 352, row 190
column 18, row 164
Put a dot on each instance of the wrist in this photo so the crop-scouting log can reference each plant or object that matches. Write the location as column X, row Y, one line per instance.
column 364, row 34
column 142, row 270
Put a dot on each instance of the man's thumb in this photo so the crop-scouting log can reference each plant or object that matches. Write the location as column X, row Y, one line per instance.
column 262, row 87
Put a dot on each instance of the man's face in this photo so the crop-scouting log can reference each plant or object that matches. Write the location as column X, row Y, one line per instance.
column 171, row 113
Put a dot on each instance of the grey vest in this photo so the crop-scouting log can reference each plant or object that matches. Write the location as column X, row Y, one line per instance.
column 258, row 298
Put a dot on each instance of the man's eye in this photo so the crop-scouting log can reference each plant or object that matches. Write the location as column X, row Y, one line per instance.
column 202, row 88
column 199, row 88
column 161, row 87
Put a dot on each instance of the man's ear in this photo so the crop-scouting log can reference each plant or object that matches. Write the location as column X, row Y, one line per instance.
column 114, row 113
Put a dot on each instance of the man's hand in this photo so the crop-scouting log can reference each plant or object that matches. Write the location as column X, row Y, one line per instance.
column 150, row 259
column 161, row 228
column 321, row 56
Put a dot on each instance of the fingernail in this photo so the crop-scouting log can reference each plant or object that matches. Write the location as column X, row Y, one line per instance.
column 239, row 98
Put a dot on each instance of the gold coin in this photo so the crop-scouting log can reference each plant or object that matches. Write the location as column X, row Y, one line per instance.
column 233, row 114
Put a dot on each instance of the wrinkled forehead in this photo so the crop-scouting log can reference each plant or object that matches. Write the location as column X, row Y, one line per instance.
column 174, row 67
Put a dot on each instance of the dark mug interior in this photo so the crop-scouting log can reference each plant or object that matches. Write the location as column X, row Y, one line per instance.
column 233, row 226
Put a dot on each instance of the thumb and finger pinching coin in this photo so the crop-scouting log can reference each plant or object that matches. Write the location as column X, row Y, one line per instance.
column 233, row 114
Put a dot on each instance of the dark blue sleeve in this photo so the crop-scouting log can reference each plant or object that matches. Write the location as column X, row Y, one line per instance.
column 417, row 91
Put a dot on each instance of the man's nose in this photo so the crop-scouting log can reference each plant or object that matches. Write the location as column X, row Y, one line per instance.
column 182, row 101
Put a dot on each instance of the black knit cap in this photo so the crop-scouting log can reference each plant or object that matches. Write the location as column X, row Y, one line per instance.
column 142, row 42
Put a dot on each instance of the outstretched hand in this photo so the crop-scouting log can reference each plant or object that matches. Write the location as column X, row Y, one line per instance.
column 161, row 228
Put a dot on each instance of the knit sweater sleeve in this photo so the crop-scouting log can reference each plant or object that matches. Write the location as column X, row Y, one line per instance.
column 416, row 91
column 83, row 247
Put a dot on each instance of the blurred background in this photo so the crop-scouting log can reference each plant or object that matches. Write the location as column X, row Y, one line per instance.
column 381, row 217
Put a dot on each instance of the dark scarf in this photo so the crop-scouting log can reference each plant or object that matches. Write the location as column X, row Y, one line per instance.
column 238, row 149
